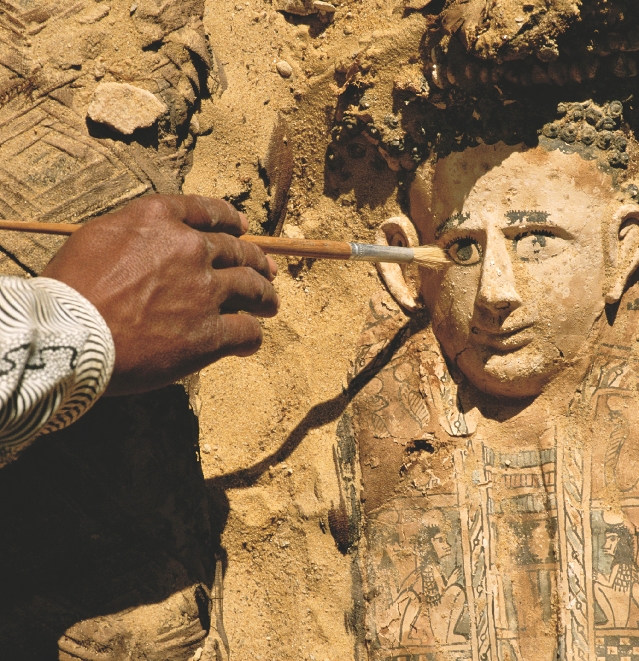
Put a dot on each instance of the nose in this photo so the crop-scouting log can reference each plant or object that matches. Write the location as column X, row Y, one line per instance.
column 497, row 290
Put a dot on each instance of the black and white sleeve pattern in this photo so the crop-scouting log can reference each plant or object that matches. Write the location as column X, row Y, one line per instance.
column 56, row 359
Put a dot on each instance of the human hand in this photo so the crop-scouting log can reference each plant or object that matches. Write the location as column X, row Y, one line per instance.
column 169, row 276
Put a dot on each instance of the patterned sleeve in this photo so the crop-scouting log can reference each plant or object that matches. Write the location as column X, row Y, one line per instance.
column 56, row 359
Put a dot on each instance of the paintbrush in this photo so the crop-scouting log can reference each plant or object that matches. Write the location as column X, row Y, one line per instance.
column 427, row 256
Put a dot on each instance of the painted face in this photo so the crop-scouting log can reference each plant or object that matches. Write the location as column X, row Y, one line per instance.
column 441, row 546
column 524, row 231
column 610, row 545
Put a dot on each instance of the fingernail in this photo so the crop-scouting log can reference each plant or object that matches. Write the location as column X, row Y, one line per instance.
column 244, row 221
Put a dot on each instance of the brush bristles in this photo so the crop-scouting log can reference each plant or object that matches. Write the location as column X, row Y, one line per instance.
column 430, row 257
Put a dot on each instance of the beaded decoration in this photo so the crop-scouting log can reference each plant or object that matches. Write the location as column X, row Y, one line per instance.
column 596, row 127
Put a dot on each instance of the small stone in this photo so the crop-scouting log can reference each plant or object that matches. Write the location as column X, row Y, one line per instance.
column 299, row 7
column 284, row 69
column 206, row 448
column 417, row 5
column 293, row 232
column 348, row 30
column 324, row 6
column 133, row 7
column 633, row 191
column 124, row 107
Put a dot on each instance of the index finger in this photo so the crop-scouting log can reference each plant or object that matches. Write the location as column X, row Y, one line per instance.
column 209, row 214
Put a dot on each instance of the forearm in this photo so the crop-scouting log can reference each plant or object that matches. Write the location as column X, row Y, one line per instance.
column 56, row 358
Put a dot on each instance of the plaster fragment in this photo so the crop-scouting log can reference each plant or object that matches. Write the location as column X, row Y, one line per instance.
column 124, row 107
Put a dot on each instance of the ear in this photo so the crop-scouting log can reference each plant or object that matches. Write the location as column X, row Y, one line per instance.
column 398, row 231
column 623, row 250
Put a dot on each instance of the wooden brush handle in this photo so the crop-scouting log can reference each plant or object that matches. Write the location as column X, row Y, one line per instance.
column 275, row 245
column 269, row 244
column 39, row 228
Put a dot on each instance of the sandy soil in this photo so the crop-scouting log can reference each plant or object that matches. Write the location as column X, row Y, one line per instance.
column 287, row 589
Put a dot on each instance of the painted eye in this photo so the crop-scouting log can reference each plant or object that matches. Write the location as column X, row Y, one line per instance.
column 465, row 252
column 538, row 245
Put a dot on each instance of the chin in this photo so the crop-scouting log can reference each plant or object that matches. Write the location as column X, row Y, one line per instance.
column 517, row 375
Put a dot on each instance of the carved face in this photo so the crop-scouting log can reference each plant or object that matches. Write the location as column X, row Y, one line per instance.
column 524, row 231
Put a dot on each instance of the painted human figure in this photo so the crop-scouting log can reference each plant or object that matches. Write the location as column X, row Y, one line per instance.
column 509, row 365
column 616, row 591
column 432, row 602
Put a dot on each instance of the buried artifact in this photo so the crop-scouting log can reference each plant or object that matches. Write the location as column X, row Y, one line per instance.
column 498, row 446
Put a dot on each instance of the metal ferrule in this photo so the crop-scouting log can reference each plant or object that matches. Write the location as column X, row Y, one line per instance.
column 365, row 252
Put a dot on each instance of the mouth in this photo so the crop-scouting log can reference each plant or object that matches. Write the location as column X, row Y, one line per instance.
column 505, row 341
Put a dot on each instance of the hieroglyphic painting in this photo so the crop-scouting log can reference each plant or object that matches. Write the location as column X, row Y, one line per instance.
column 483, row 550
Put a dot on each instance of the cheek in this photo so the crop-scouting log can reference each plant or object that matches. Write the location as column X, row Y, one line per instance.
column 452, row 301
column 567, row 290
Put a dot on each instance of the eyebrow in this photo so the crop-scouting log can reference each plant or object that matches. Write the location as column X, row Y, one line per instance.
column 456, row 220
column 513, row 218
column 519, row 217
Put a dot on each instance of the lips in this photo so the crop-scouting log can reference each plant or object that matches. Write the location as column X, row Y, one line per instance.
column 509, row 340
